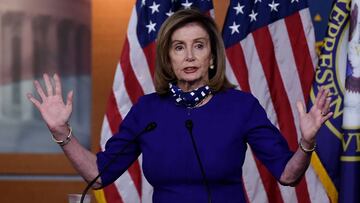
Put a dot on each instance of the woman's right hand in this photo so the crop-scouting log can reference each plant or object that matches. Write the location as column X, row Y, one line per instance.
column 56, row 114
column 54, row 111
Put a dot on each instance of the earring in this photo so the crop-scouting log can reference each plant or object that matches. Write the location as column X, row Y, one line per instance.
column 211, row 64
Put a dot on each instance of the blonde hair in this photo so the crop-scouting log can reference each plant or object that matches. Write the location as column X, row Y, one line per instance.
column 163, row 71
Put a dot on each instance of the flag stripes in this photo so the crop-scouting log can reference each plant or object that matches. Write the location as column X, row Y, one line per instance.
column 137, row 56
column 279, row 69
column 112, row 195
column 112, row 113
column 301, row 53
column 263, row 44
column 254, row 187
column 150, row 57
column 236, row 58
column 131, row 81
column 135, row 174
column 270, row 184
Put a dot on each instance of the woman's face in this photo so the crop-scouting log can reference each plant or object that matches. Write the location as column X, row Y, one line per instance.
column 190, row 56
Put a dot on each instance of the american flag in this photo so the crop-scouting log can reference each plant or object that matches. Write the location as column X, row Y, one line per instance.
column 270, row 47
column 133, row 78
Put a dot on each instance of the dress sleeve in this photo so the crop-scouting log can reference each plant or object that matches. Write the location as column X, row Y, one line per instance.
column 266, row 141
column 124, row 138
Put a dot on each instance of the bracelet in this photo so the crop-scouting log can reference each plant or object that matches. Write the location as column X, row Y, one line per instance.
column 307, row 151
column 67, row 139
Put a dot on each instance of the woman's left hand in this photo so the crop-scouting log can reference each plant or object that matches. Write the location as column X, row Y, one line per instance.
column 311, row 122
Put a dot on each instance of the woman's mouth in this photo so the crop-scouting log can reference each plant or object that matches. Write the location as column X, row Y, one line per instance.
column 189, row 70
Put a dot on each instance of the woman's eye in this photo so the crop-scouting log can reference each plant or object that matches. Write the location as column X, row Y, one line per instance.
column 178, row 48
column 199, row 46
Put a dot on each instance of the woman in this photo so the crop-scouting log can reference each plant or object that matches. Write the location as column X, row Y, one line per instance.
column 196, row 150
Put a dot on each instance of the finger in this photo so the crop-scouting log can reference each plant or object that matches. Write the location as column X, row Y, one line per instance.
column 33, row 100
column 324, row 97
column 58, row 88
column 319, row 102
column 326, row 117
column 48, row 85
column 318, row 95
column 39, row 90
column 300, row 108
column 326, row 106
column 69, row 99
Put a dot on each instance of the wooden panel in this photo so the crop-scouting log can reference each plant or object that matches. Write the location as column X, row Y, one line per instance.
column 109, row 24
column 39, row 191
column 45, row 164
column 220, row 7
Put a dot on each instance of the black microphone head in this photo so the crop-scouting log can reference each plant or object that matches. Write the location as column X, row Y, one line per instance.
column 151, row 126
column 189, row 124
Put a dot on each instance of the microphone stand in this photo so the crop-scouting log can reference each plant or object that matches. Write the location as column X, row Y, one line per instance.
column 189, row 127
column 150, row 127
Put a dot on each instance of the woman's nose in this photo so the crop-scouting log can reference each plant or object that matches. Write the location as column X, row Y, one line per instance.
column 189, row 56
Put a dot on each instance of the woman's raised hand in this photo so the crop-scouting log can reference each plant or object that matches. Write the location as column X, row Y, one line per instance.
column 54, row 111
column 311, row 122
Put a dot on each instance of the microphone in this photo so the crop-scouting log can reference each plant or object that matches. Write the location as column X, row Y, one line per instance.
column 149, row 127
column 189, row 126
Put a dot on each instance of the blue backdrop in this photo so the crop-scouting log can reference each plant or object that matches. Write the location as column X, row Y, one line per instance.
column 320, row 10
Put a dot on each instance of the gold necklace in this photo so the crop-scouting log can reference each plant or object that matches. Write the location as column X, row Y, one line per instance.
column 197, row 105
column 202, row 101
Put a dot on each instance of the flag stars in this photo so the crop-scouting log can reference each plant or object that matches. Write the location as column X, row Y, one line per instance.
column 234, row 28
column 292, row 1
column 154, row 7
column 187, row 4
column 143, row 3
column 239, row 9
column 170, row 13
column 274, row 6
column 151, row 27
column 257, row 1
column 253, row 16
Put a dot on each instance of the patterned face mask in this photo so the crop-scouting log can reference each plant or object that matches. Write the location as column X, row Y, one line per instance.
column 189, row 99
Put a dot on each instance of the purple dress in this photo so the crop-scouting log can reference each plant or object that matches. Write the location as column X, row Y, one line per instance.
column 221, row 128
